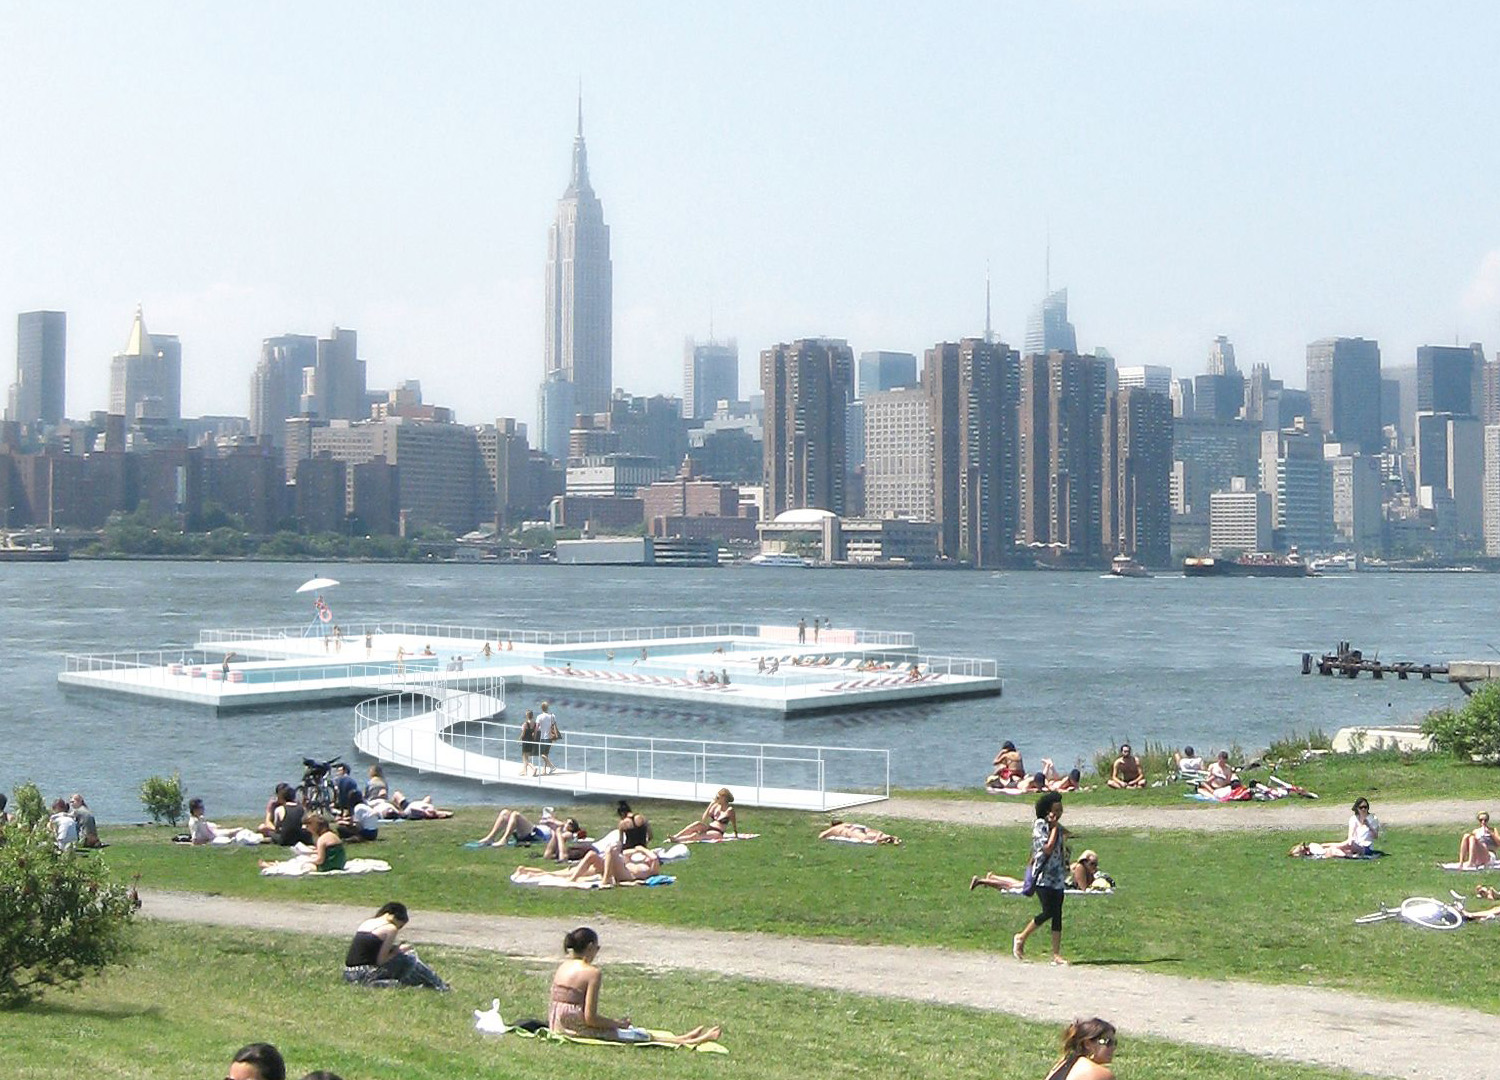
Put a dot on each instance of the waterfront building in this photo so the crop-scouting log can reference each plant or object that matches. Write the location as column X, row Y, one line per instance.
column 1492, row 490
column 1137, row 467
column 611, row 476
column 302, row 375
column 1449, row 468
column 807, row 386
column 1212, row 452
column 898, row 439
column 710, row 374
column 729, row 446
column 579, row 293
column 1357, row 497
column 1048, row 329
column 880, row 370
column 506, row 456
column 1062, row 404
column 1293, row 471
column 975, row 389
column 1489, row 391
column 38, row 394
column 320, row 495
column 868, row 540
column 1343, row 383
column 1154, row 377
column 1450, row 379
column 437, row 463
column 1239, row 519
column 596, row 513
column 145, row 380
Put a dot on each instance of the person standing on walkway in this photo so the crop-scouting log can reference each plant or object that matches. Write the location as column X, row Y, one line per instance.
column 1049, row 865
column 546, row 722
column 802, row 631
column 1088, row 1048
column 531, row 744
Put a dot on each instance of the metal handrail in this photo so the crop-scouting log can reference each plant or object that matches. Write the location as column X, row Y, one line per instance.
column 611, row 635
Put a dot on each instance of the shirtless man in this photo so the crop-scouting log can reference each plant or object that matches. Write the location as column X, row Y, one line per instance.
column 1127, row 771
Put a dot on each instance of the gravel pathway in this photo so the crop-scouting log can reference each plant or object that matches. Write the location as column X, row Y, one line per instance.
column 1330, row 1028
column 1320, row 814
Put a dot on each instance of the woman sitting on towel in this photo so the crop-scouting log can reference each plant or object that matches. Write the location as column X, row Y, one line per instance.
column 1477, row 848
column 1088, row 1048
column 574, row 1005
column 568, row 841
column 718, row 815
column 203, row 831
column 851, row 830
column 633, row 830
column 1364, row 830
column 328, row 853
column 375, row 959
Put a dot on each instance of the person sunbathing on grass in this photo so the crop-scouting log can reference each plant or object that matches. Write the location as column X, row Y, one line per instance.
column 613, row 867
column 1056, row 781
column 1083, row 876
column 568, row 841
column 1477, row 847
column 573, row 1006
column 1364, row 830
column 1024, row 785
column 851, row 830
column 512, row 823
column 718, row 815
column 399, row 806
column 203, row 831
column 1127, row 771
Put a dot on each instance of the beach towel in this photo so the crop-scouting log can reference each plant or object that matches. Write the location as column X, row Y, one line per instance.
column 300, row 867
column 675, row 853
column 657, row 1036
column 1321, row 852
column 1492, row 865
column 1068, row 892
column 869, row 840
column 589, row 881
column 711, row 839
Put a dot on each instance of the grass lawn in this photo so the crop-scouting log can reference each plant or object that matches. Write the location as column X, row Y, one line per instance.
column 1189, row 903
column 192, row 997
column 1381, row 775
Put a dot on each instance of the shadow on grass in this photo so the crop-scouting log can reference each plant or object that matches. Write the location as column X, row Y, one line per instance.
column 1122, row 962
column 120, row 1011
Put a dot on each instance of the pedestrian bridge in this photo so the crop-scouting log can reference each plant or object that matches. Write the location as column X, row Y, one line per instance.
column 459, row 732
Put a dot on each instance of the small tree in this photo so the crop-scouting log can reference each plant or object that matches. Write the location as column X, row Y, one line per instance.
column 30, row 807
column 61, row 917
column 162, row 798
column 1469, row 732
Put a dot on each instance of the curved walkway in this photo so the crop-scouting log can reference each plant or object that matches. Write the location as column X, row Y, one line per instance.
column 1194, row 817
column 1329, row 1028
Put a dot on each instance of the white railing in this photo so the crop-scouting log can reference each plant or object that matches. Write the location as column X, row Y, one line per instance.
column 462, row 740
column 614, row 635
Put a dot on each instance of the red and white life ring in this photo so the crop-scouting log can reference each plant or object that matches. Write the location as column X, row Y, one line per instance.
column 325, row 615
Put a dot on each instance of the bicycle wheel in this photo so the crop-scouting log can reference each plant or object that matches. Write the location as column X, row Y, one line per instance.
column 1430, row 914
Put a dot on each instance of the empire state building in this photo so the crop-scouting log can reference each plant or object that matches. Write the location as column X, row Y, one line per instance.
column 578, row 367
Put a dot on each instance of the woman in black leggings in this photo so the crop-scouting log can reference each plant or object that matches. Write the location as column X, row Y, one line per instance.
column 1050, row 870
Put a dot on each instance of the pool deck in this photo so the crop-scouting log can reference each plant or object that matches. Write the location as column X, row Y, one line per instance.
column 278, row 667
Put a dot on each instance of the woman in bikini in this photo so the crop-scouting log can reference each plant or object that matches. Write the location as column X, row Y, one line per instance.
column 716, row 816
column 853, row 830
column 1088, row 1048
column 1477, row 848
column 574, row 1005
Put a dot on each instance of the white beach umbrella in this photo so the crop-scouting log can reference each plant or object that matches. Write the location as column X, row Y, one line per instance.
column 316, row 584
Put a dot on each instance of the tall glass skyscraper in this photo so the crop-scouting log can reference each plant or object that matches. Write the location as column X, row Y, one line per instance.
column 1048, row 328
column 579, row 332
column 41, row 353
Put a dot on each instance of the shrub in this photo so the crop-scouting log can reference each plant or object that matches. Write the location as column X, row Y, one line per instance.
column 1470, row 732
column 162, row 798
column 1290, row 747
column 61, row 918
column 30, row 807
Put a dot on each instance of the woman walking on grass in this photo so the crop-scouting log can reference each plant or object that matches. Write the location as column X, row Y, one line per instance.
column 1050, row 871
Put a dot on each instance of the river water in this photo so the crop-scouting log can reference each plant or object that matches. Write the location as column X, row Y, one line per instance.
column 1087, row 661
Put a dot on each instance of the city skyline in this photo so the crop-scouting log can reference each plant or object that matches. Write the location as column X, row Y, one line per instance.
column 419, row 215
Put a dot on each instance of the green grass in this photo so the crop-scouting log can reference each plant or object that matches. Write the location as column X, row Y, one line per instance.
column 192, row 997
column 1381, row 775
column 1189, row 903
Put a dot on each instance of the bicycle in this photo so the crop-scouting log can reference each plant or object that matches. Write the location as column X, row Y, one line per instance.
column 316, row 791
column 1421, row 911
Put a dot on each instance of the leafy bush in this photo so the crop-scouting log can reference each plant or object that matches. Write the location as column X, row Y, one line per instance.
column 1470, row 732
column 30, row 807
column 61, row 918
column 162, row 798
column 1290, row 747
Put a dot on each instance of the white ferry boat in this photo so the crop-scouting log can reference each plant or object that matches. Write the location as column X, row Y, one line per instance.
column 781, row 559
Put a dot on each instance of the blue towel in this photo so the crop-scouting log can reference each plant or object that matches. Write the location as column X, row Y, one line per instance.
column 659, row 879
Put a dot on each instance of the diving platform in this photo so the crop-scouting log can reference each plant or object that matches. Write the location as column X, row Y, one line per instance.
column 780, row 669
column 457, row 733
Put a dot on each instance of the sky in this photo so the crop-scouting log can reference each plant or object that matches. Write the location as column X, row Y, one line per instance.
column 1275, row 172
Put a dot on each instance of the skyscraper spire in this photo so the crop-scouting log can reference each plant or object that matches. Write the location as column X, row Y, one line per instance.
column 580, row 181
column 580, row 106
column 989, row 335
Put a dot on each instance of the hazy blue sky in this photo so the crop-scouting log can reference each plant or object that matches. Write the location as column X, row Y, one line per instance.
column 1276, row 172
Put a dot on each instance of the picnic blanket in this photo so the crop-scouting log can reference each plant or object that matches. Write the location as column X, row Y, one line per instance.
column 866, row 839
column 588, row 881
column 300, row 867
column 1068, row 892
column 1322, row 853
column 491, row 1022
column 711, row 839
column 1493, row 864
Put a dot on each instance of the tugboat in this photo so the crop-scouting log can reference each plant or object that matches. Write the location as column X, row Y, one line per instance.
column 1122, row 565
column 1257, row 564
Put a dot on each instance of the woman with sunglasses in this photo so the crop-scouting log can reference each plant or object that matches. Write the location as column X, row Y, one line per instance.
column 1477, row 848
column 1364, row 830
column 1088, row 1047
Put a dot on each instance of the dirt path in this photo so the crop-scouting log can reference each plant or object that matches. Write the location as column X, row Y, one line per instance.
column 1330, row 1028
column 1320, row 815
